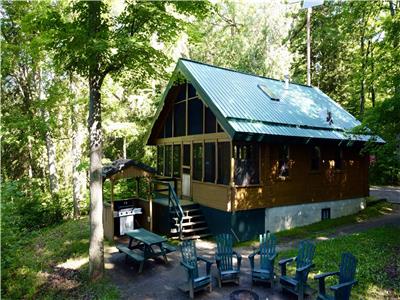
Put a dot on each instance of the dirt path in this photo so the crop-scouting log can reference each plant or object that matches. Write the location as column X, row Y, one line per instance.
column 160, row 281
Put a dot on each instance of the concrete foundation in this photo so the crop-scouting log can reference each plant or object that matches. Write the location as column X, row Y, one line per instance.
column 287, row 217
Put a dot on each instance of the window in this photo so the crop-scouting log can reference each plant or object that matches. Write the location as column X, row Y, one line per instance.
column 168, row 126
column 191, row 91
column 339, row 159
column 283, row 166
column 246, row 164
column 186, row 155
column 197, row 161
column 224, row 162
column 176, row 164
column 210, row 121
column 168, row 160
column 160, row 159
column 180, row 119
column 315, row 158
column 181, row 93
column 325, row 214
column 209, row 162
column 269, row 92
column 195, row 123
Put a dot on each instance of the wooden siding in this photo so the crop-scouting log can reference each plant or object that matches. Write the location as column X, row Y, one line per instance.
column 304, row 185
column 211, row 195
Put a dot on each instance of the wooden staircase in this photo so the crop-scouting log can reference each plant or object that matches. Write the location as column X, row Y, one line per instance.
column 192, row 226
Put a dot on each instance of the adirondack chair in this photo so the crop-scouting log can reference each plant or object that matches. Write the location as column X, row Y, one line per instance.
column 304, row 258
column 227, row 272
column 189, row 261
column 267, row 253
column 346, row 273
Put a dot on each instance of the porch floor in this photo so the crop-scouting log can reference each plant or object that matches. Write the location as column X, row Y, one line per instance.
column 164, row 201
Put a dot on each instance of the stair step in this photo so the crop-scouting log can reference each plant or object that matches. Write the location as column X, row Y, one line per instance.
column 188, row 217
column 187, row 211
column 194, row 229
column 193, row 223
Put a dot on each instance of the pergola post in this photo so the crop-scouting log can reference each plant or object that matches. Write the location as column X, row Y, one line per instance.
column 112, row 194
column 150, row 198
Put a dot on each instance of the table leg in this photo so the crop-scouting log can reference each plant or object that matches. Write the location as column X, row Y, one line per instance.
column 141, row 267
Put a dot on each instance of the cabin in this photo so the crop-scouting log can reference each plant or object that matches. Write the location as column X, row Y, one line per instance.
column 257, row 153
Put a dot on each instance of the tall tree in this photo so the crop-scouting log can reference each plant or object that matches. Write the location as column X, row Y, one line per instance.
column 94, row 41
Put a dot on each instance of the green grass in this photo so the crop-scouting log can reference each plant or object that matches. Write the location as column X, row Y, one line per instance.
column 378, row 254
column 29, row 265
column 326, row 227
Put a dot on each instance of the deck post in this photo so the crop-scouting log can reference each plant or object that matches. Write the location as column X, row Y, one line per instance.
column 137, row 186
column 112, row 194
column 150, row 198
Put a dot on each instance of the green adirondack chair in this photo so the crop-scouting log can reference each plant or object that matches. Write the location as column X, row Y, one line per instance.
column 227, row 272
column 189, row 261
column 298, row 284
column 267, row 253
column 346, row 273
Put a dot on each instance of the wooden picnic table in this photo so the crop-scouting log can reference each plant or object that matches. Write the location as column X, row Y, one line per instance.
column 144, row 245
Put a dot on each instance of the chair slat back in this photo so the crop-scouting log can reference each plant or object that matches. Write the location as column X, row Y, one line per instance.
column 305, row 256
column 347, row 273
column 189, row 255
column 225, row 251
column 267, row 250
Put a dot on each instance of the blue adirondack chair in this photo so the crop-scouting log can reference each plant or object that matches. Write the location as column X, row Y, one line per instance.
column 298, row 284
column 189, row 261
column 346, row 273
column 267, row 253
column 227, row 272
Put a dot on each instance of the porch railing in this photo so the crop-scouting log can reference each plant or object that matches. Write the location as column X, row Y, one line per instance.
column 162, row 186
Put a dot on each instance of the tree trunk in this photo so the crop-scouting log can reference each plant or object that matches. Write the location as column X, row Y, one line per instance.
column 96, row 247
column 78, row 176
column 50, row 147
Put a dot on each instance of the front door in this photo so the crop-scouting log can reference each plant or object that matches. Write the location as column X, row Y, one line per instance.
column 186, row 166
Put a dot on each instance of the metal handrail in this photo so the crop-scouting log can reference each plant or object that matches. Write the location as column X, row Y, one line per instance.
column 174, row 200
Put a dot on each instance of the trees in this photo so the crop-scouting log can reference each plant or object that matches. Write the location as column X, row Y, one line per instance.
column 93, row 41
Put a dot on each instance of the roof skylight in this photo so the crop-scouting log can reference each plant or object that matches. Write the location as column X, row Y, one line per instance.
column 269, row 92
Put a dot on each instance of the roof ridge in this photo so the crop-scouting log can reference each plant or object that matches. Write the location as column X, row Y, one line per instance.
column 241, row 72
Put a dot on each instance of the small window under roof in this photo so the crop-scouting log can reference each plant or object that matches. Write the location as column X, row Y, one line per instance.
column 269, row 92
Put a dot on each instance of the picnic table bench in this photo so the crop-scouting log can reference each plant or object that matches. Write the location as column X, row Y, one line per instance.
column 144, row 245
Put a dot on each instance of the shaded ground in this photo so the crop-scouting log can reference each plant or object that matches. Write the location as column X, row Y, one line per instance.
column 391, row 193
column 161, row 281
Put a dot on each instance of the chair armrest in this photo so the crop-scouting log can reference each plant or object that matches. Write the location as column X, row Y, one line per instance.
column 189, row 267
column 251, row 258
column 206, row 260
column 286, row 260
column 306, row 267
column 323, row 275
column 239, row 259
column 338, row 287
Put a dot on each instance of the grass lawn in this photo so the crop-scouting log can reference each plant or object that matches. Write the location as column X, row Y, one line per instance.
column 378, row 254
column 31, row 265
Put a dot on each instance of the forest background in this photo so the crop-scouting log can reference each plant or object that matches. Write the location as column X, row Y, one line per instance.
column 44, row 137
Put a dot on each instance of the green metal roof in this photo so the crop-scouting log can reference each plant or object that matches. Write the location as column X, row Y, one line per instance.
column 242, row 105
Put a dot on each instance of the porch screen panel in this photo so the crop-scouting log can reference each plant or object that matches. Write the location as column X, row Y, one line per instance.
column 177, row 161
column 191, row 91
column 180, row 119
column 168, row 160
column 209, row 162
column 168, row 126
column 197, row 161
column 181, row 92
column 160, row 159
column 224, row 162
column 195, row 113
column 210, row 121
column 246, row 164
column 186, row 155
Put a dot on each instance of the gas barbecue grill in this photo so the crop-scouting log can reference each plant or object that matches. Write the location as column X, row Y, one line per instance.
column 124, row 216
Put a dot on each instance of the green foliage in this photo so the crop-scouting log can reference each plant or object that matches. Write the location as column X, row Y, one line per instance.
column 29, row 264
column 377, row 252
